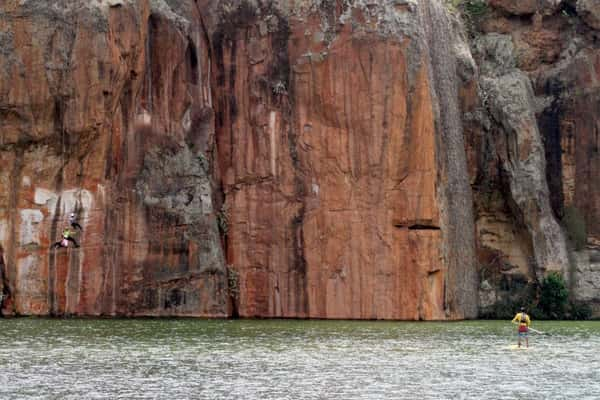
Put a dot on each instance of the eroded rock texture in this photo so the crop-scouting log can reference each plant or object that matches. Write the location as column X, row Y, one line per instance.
column 105, row 111
column 345, row 181
column 534, row 145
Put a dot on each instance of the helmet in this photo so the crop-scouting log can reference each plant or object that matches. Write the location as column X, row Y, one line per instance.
column 72, row 214
column 522, row 308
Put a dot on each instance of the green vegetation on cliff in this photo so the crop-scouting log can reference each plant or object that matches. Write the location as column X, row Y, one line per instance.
column 471, row 11
column 469, row 8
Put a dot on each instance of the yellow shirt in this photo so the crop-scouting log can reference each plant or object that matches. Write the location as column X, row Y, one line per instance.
column 522, row 321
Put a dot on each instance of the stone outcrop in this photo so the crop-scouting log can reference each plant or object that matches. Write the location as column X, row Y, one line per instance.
column 586, row 285
column 515, row 147
column 522, row 157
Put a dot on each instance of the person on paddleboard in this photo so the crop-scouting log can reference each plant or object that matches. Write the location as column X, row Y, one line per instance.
column 523, row 321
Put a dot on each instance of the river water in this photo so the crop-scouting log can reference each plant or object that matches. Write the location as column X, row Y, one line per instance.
column 287, row 359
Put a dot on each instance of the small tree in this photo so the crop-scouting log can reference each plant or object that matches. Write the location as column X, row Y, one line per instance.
column 554, row 296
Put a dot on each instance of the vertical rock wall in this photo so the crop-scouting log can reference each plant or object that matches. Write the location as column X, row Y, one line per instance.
column 453, row 67
column 105, row 111
column 345, row 184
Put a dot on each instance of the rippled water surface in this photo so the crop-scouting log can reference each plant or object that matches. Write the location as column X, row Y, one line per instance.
column 282, row 359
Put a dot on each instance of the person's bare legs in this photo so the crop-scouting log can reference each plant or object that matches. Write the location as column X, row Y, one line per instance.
column 70, row 239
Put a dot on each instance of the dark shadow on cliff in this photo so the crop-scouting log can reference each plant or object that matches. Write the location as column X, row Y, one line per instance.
column 4, row 288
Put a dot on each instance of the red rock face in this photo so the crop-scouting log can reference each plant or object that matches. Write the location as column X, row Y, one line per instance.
column 320, row 147
column 329, row 154
column 109, row 118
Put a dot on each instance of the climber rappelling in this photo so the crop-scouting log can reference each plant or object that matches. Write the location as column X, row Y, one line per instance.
column 66, row 238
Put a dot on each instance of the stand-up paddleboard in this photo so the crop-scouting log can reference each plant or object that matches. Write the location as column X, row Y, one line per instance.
column 516, row 347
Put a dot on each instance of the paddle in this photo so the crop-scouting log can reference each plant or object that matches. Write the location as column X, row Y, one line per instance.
column 536, row 331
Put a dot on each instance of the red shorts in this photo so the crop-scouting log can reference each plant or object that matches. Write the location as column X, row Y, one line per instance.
column 523, row 328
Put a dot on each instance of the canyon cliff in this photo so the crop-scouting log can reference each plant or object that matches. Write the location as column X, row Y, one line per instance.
column 389, row 159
